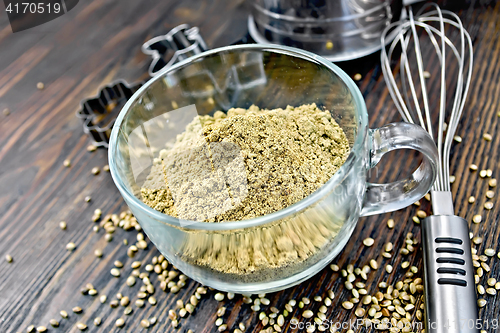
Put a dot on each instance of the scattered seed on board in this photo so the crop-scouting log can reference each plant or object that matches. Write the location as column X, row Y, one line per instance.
column 334, row 267
column 67, row 163
column 9, row 258
column 219, row 297
column 480, row 290
column 6, row 112
column 95, row 171
column 368, row 241
column 115, row 272
column 388, row 269
column 486, row 267
column 491, row 291
column 128, row 310
column 481, row 302
column 421, row 214
column 88, row 198
column 488, row 205
column 482, row 173
column 360, row 312
column 487, row 136
column 98, row 253
column 124, row 301
column 81, row 326
column 489, row 252
column 472, row 199
column 477, row 240
column 457, row 138
column 145, row 323
column 130, row 281
column 492, row 182
column 426, row 75
column 62, row 225
column 63, row 314
column 77, row 309
column 473, row 167
column 41, row 329
column 307, row 314
column 356, row 76
column 103, row 299
column 70, row 246
column 91, row 148
column 120, row 322
column 97, row 321
column 477, row 218
column 390, row 223
column 452, row 179
column 347, row 305
column 105, row 168
column 40, row 85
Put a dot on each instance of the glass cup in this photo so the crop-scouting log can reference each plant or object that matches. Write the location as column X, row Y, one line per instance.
column 278, row 250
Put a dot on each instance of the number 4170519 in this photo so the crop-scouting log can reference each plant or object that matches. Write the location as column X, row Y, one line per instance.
column 33, row 8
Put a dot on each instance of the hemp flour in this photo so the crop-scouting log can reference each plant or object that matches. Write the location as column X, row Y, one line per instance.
column 246, row 164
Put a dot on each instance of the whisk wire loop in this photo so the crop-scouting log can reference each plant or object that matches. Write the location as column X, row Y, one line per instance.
column 407, row 91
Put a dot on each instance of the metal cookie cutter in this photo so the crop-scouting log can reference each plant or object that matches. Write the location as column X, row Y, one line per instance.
column 183, row 40
column 99, row 113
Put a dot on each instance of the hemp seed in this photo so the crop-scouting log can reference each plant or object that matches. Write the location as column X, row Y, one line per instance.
column 145, row 323
column 81, row 326
column 120, row 322
column 368, row 241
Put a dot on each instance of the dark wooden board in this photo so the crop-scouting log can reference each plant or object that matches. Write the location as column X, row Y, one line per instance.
column 98, row 42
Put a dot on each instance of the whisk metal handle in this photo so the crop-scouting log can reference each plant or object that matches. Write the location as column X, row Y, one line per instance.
column 382, row 198
column 450, row 294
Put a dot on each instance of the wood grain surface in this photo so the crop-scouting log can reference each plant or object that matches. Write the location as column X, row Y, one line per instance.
column 98, row 42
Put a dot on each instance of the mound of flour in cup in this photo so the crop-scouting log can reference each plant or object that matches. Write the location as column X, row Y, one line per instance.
column 246, row 163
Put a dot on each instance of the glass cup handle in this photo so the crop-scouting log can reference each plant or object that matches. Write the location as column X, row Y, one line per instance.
column 382, row 198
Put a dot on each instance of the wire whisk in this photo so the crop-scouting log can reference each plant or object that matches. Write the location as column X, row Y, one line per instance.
column 448, row 268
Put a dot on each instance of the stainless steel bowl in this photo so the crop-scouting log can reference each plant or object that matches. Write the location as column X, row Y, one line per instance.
column 338, row 30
